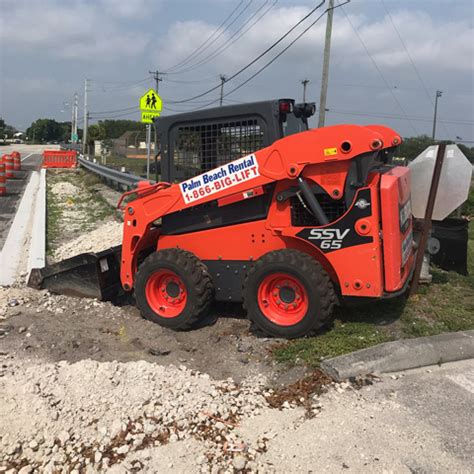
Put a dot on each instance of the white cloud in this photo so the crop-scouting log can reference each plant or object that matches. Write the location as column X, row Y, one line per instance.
column 431, row 43
column 73, row 29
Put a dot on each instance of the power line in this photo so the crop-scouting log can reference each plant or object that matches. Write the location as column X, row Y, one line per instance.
column 280, row 53
column 206, row 43
column 114, row 111
column 240, row 71
column 377, row 86
column 395, row 116
column 413, row 63
column 120, row 82
column 118, row 86
column 216, row 38
column 239, row 33
column 271, row 61
column 109, row 117
column 378, row 70
column 195, row 81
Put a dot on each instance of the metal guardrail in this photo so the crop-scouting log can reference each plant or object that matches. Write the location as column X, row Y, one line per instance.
column 71, row 146
column 120, row 177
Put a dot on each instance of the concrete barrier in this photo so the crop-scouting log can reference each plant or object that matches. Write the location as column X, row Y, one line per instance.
column 402, row 355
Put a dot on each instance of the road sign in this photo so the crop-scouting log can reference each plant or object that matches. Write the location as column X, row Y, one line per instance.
column 454, row 182
column 150, row 106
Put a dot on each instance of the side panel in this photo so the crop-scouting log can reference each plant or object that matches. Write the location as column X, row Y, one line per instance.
column 352, row 245
column 396, row 227
column 348, row 248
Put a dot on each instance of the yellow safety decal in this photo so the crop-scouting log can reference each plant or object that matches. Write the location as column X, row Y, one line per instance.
column 330, row 151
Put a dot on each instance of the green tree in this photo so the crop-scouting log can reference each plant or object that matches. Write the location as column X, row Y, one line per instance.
column 468, row 151
column 6, row 131
column 412, row 147
column 2, row 129
column 45, row 130
column 116, row 128
column 95, row 132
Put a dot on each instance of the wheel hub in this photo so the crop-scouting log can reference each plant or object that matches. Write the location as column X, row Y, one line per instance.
column 283, row 299
column 166, row 294
column 287, row 294
column 172, row 288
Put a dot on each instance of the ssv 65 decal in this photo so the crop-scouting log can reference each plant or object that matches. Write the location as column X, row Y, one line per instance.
column 330, row 239
column 341, row 234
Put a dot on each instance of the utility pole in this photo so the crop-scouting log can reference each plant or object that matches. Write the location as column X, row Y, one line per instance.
column 438, row 95
column 305, row 82
column 86, row 118
column 74, row 119
column 76, row 110
column 325, row 77
column 158, row 79
column 223, row 79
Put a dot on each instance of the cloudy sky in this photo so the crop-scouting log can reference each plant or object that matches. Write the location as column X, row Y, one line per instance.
column 388, row 57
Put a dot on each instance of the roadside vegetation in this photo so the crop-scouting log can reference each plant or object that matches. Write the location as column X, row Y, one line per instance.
column 136, row 166
column 74, row 206
column 446, row 305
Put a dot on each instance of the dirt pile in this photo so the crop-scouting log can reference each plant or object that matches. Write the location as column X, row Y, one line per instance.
column 105, row 236
column 65, row 189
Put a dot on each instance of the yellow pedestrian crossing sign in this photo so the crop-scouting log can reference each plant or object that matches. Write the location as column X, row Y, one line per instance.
column 150, row 106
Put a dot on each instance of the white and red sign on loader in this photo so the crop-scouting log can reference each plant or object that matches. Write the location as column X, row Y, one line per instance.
column 218, row 179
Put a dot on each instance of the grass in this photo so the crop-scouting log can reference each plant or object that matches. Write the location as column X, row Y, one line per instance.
column 446, row 305
column 135, row 166
column 53, row 218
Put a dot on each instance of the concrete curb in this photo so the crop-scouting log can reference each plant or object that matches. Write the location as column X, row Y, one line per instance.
column 37, row 251
column 402, row 355
column 11, row 254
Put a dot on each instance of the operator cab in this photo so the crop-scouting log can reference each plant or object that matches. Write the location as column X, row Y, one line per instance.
column 195, row 142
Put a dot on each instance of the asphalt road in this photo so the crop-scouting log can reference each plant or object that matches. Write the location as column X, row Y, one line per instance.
column 30, row 161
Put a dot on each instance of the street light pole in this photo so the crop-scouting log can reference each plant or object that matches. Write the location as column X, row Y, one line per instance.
column 223, row 79
column 305, row 82
column 438, row 95
column 76, row 110
column 86, row 118
column 73, row 111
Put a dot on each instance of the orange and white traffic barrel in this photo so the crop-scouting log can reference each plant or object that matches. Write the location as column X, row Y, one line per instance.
column 3, row 180
column 8, row 160
column 16, row 161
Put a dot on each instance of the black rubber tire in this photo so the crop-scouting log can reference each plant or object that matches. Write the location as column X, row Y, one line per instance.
column 321, row 295
column 195, row 277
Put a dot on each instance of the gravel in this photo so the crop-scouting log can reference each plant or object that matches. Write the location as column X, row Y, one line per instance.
column 95, row 414
column 65, row 189
column 105, row 236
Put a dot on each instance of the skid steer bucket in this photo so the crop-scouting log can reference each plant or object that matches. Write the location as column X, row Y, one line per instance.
column 88, row 275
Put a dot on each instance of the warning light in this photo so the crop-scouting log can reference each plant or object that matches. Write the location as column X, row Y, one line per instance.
column 286, row 106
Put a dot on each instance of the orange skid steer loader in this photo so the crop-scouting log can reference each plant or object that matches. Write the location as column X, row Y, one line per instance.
column 256, row 230
column 290, row 230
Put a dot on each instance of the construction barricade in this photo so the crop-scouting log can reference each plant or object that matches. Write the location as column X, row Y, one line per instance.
column 59, row 159
column 3, row 180
column 16, row 161
column 7, row 160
